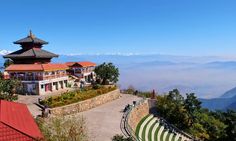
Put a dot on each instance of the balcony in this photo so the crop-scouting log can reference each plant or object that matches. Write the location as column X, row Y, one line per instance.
column 38, row 78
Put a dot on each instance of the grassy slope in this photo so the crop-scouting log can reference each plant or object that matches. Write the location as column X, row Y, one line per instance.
column 139, row 125
column 144, row 129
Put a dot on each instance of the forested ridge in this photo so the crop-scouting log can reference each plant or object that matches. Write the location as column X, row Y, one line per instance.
column 188, row 115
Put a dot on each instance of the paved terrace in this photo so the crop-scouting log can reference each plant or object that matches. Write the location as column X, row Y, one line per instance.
column 30, row 100
column 103, row 122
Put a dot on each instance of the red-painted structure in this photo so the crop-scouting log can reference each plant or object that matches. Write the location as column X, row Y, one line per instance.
column 16, row 123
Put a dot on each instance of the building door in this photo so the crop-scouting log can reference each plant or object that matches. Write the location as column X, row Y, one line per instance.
column 46, row 87
column 31, row 88
column 56, row 85
column 50, row 86
column 61, row 83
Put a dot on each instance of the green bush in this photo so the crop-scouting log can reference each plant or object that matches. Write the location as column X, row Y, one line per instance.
column 97, row 86
column 121, row 138
column 76, row 96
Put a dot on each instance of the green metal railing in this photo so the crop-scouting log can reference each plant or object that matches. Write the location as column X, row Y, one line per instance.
column 127, row 127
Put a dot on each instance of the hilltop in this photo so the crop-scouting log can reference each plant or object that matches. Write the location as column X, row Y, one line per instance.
column 224, row 102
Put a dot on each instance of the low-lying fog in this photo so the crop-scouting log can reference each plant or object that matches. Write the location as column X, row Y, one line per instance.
column 208, row 77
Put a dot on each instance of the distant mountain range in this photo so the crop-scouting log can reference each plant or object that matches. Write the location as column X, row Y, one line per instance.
column 208, row 77
column 229, row 94
column 221, row 64
column 224, row 102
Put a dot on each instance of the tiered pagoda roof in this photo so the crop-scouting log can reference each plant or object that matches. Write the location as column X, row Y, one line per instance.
column 30, row 39
column 31, row 49
column 31, row 53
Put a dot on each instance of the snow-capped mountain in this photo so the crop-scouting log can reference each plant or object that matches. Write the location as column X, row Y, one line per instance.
column 4, row 52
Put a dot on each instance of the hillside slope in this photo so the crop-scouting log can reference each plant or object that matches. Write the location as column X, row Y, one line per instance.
column 230, row 93
column 219, row 103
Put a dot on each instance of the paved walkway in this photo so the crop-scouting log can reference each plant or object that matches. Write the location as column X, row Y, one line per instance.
column 30, row 100
column 103, row 122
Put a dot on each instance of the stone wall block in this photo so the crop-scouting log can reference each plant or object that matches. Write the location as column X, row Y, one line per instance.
column 86, row 104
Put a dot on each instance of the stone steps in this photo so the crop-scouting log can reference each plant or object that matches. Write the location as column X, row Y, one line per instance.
column 150, row 129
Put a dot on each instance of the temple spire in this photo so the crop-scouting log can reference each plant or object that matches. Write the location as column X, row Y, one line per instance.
column 31, row 38
column 31, row 35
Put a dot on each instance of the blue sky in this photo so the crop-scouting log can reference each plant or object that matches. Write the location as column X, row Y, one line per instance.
column 176, row 27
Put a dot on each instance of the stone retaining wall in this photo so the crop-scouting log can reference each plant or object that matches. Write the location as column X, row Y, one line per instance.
column 86, row 104
column 137, row 113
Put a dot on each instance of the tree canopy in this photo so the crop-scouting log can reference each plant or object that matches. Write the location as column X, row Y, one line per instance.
column 107, row 72
column 7, row 62
column 188, row 115
column 8, row 89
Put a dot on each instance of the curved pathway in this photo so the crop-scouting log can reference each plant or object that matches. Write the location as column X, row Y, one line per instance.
column 103, row 122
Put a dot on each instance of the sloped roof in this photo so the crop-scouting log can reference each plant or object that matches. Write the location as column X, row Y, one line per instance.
column 31, row 39
column 48, row 67
column 8, row 133
column 36, row 67
column 82, row 64
column 31, row 53
column 18, row 117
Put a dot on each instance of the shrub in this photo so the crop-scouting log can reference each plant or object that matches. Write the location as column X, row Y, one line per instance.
column 96, row 86
column 76, row 96
column 121, row 138
column 63, row 128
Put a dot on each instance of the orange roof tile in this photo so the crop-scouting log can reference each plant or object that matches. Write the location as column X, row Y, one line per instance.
column 70, row 63
column 36, row 67
column 82, row 64
column 87, row 64
column 51, row 67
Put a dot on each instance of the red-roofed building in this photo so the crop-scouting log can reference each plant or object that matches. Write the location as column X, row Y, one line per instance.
column 39, row 78
column 83, row 70
column 33, row 67
column 16, row 123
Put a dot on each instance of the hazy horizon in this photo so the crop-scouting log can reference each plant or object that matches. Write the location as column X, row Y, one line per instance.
column 208, row 77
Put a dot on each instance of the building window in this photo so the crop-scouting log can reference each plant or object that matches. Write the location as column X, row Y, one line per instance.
column 41, row 86
column 34, row 87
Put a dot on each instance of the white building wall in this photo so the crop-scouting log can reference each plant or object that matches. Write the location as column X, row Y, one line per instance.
column 41, row 90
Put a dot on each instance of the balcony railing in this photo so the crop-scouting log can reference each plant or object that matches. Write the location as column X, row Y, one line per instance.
column 37, row 78
column 89, row 71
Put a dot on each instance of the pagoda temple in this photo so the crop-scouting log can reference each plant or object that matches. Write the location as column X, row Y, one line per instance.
column 31, row 51
column 32, row 66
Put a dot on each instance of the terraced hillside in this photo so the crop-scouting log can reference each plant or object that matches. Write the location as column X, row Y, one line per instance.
column 150, row 128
